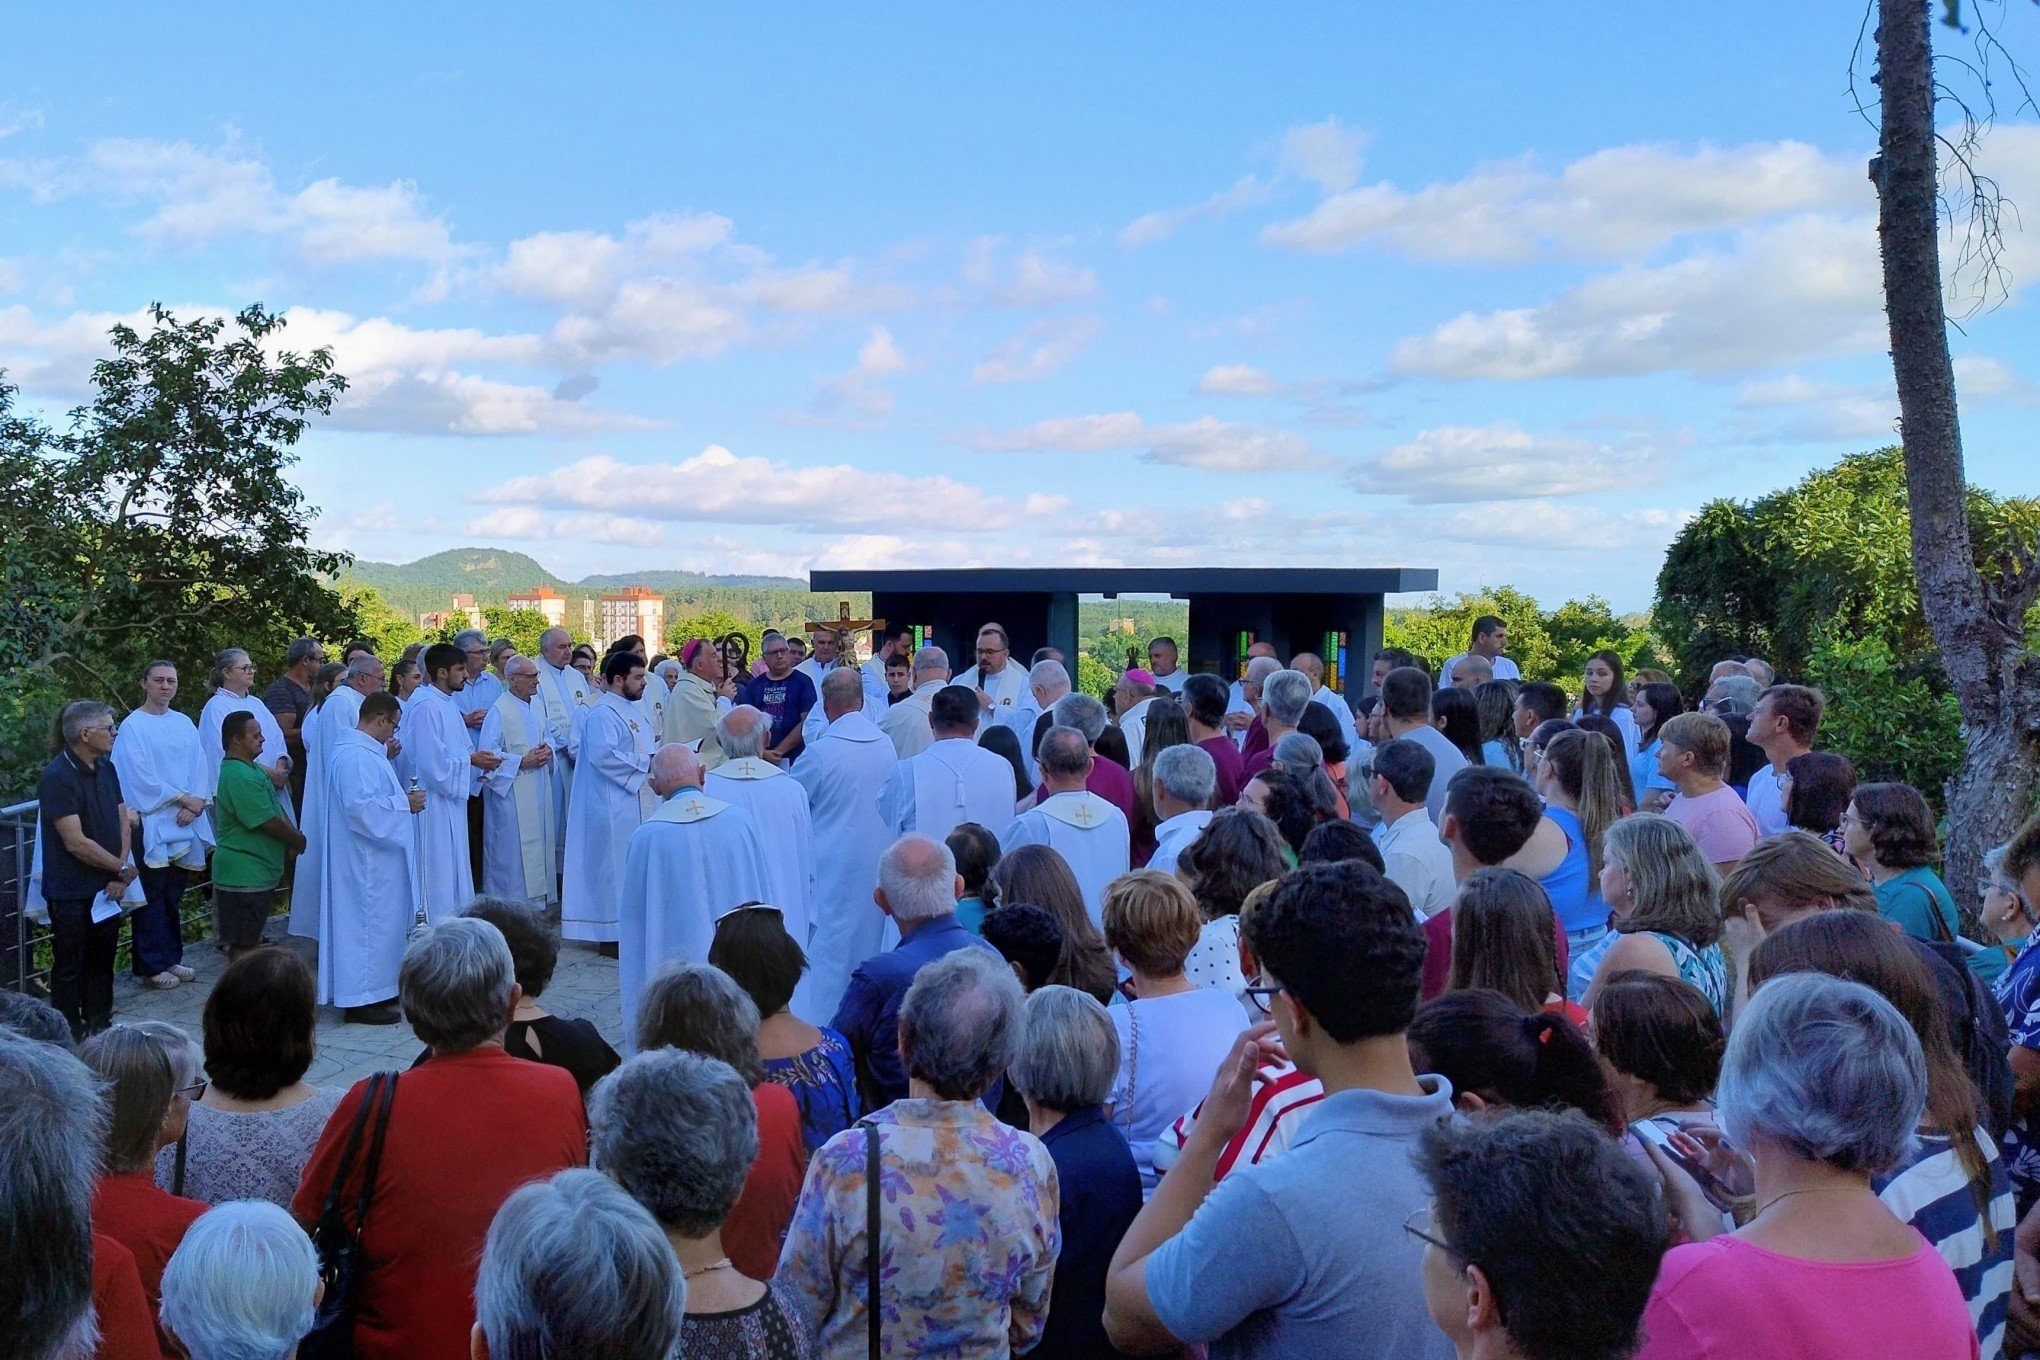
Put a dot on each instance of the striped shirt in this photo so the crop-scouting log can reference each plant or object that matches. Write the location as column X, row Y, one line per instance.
column 1273, row 1116
column 1931, row 1192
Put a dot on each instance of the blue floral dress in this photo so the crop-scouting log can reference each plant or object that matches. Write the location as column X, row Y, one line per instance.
column 2018, row 991
column 824, row 1084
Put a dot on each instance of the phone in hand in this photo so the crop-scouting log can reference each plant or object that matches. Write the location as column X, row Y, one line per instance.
column 1718, row 1194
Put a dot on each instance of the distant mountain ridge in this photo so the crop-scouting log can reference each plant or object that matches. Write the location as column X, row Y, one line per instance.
column 492, row 574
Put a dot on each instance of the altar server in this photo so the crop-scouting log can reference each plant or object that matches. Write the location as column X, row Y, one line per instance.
column 371, row 873
column 611, row 797
column 842, row 774
column 519, row 857
column 1088, row 832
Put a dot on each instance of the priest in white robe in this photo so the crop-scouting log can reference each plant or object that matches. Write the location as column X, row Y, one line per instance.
column 436, row 738
column 1089, row 833
column 906, row 722
column 233, row 678
column 338, row 714
column 165, row 781
column 827, row 660
column 843, row 773
column 692, row 860
column 611, row 797
column 1133, row 696
column 1164, row 663
column 1243, row 695
column 563, row 695
column 519, row 847
column 776, row 800
column 1313, row 668
column 952, row 782
column 691, row 715
column 370, row 901
column 893, row 640
column 1001, row 684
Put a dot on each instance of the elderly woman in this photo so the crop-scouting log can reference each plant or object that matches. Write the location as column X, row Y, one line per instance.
column 1038, row 876
column 1237, row 852
column 1660, row 1043
column 678, row 1131
column 251, row 1132
column 150, row 1076
column 465, row 1128
column 966, row 1232
column 243, row 1284
column 1069, row 1057
column 1173, row 1034
column 1300, row 754
column 536, row 1033
column 815, row 1064
column 1824, row 1086
column 1666, row 913
column 701, row 1009
column 574, row 1266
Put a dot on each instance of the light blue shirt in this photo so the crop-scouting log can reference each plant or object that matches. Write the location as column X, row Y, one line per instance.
column 1305, row 1254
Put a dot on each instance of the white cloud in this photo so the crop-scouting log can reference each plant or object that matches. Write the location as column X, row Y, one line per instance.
column 1207, row 443
column 1039, row 351
column 1498, row 461
column 717, row 485
column 854, row 398
column 429, row 402
column 1619, row 201
column 1161, row 224
column 54, row 358
column 1818, row 410
column 1326, row 153
column 1030, row 279
column 1802, row 288
column 1547, row 526
column 14, row 120
column 199, row 195
column 526, row 522
column 1237, row 380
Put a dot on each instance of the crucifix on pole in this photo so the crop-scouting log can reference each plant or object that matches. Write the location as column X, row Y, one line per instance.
column 843, row 625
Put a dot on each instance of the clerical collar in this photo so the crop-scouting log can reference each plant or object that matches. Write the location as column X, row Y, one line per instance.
column 684, row 788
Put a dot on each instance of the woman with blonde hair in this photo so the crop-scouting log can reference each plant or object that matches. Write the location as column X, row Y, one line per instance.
column 1665, row 900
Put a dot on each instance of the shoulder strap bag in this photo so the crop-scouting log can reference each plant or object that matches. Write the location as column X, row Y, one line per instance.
column 872, row 1317
column 339, row 1244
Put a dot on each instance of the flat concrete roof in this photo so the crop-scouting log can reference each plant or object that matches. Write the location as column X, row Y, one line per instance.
column 1111, row 581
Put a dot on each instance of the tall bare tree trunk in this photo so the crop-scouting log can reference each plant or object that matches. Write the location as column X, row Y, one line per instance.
column 1979, row 629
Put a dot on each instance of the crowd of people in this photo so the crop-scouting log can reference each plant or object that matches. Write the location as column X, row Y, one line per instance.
column 972, row 1015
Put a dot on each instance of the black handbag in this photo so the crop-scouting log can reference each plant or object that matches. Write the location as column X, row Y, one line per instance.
column 872, row 1316
column 338, row 1244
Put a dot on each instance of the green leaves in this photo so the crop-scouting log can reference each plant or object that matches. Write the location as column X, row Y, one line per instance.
column 1550, row 645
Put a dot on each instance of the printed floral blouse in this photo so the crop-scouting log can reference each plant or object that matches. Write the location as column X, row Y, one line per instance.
column 968, row 1236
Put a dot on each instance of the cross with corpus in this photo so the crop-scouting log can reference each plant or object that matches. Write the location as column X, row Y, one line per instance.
column 844, row 624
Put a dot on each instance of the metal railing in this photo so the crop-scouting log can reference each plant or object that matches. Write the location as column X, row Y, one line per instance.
column 21, row 939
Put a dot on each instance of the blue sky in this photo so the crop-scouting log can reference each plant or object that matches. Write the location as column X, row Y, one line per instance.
column 1508, row 292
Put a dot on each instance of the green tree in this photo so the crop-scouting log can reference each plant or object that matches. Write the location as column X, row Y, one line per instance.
column 714, row 623
column 159, row 520
column 522, row 626
column 378, row 623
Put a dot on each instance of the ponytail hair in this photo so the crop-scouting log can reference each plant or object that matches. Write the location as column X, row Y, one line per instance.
column 1485, row 1045
column 1584, row 766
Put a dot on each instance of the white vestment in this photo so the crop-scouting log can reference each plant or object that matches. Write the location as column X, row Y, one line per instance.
column 1012, row 699
column 323, row 728
column 1236, row 702
column 477, row 696
column 563, row 697
column 691, row 861
column 519, row 846
column 842, row 774
column 1341, row 710
column 1173, row 681
column 817, row 720
column 652, row 703
column 159, row 760
column 779, row 805
column 437, row 741
column 370, row 897
column 273, row 749
column 611, row 797
column 1089, row 833
column 906, row 722
column 1133, row 726
column 952, row 782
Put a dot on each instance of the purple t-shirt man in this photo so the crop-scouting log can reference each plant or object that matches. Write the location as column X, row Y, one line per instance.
column 786, row 702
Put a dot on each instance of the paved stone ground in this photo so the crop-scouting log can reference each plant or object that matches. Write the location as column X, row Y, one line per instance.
column 584, row 984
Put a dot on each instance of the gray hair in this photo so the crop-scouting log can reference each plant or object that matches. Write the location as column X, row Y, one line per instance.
column 143, row 1073
column 52, row 1124
column 574, row 1266
column 79, row 715
column 1762, row 672
column 1826, row 1068
column 1994, row 865
column 1284, row 694
column 843, row 689
column 362, row 663
column 517, row 663
column 1050, row 675
column 929, row 660
column 741, row 733
column 1299, row 753
column 1063, row 752
column 1259, row 669
column 679, row 1132
column 1189, row 774
column 700, row 1008
column 1069, row 1049
column 230, row 656
column 917, row 874
column 1082, row 712
column 468, row 637
column 1739, row 692
column 300, row 649
column 960, row 1022
column 454, row 984
column 242, row 1284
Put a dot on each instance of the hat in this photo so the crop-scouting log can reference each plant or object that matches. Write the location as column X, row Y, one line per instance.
column 1140, row 675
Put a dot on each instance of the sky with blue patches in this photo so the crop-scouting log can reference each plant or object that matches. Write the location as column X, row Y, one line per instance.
column 1508, row 291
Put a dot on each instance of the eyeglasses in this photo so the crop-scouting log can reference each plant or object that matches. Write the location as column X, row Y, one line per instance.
column 1263, row 993
column 1421, row 1226
column 196, row 1090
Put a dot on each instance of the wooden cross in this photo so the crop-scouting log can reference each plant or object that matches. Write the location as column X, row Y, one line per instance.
column 844, row 624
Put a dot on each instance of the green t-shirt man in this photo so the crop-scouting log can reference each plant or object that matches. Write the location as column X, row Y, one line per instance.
column 245, row 858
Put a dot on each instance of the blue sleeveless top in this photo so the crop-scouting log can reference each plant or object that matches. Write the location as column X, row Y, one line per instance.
column 1574, row 897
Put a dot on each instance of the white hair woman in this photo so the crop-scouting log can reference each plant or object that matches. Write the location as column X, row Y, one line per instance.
column 678, row 1132
column 242, row 1285
column 1823, row 1085
column 1069, row 1055
column 574, row 1266
column 966, row 1231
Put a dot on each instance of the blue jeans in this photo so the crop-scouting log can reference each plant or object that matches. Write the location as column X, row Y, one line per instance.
column 156, row 934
